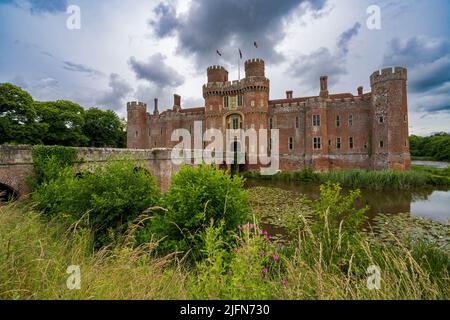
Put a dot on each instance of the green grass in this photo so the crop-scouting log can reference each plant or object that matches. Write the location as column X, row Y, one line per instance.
column 418, row 177
column 35, row 253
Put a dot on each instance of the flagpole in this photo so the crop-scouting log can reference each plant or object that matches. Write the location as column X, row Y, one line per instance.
column 239, row 67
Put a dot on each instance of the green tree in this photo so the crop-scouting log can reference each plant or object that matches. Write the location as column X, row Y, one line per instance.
column 17, row 116
column 64, row 120
column 104, row 128
column 436, row 147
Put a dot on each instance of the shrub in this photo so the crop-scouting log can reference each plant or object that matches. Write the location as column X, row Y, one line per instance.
column 48, row 161
column 112, row 195
column 197, row 195
column 252, row 270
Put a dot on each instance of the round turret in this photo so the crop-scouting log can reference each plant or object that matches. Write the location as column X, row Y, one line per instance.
column 254, row 68
column 217, row 74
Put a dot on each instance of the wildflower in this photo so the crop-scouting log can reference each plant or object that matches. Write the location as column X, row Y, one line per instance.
column 261, row 253
column 275, row 257
column 251, row 226
column 239, row 226
column 264, row 270
column 283, row 282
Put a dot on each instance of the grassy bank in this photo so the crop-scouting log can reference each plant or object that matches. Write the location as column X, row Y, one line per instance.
column 35, row 254
column 110, row 227
column 419, row 176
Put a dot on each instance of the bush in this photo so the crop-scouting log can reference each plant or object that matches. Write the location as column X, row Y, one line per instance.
column 112, row 195
column 197, row 195
column 252, row 271
column 48, row 161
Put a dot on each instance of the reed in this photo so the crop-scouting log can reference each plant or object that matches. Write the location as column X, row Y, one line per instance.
column 416, row 178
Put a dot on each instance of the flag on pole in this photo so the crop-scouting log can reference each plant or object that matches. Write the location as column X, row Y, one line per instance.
column 255, row 44
column 218, row 52
column 240, row 54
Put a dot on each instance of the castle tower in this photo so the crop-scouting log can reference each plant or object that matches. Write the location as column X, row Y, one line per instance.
column 217, row 74
column 254, row 68
column 137, row 125
column 256, row 89
column 390, row 134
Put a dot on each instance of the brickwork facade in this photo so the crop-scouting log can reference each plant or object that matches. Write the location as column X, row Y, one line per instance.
column 325, row 132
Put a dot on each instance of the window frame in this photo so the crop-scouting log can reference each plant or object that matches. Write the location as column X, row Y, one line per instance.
column 317, row 143
column 316, row 120
column 226, row 101
column 290, row 143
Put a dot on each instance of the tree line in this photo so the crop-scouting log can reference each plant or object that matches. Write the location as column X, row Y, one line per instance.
column 65, row 123
column 435, row 147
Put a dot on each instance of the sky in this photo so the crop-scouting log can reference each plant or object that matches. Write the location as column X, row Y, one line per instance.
column 145, row 49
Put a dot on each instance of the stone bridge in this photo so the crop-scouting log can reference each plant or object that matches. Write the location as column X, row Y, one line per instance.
column 16, row 164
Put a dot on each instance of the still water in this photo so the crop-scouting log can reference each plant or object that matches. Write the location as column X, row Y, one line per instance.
column 428, row 203
column 436, row 164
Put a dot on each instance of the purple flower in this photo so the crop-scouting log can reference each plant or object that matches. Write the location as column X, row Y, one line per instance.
column 239, row 226
column 251, row 226
column 283, row 282
column 261, row 253
column 275, row 257
column 264, row 270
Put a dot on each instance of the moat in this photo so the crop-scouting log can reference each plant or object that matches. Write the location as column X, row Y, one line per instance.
column 431, row 203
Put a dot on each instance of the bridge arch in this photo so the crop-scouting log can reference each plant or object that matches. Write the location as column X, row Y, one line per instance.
column 7, row 193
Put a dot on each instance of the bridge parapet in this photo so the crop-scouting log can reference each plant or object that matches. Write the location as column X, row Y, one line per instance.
column 16, row 163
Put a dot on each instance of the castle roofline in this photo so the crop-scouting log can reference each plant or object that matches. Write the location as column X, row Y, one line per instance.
column 304, row 99
column 186, row 110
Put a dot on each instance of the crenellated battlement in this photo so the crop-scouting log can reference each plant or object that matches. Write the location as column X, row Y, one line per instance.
column 217, row 74
column 236, row 87
column 389, row 74
column 255, row 68
column 136, row 105
column 254, row 60
column 216, row 68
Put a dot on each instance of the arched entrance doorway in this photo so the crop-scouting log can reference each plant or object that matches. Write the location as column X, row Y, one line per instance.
column 234, row 122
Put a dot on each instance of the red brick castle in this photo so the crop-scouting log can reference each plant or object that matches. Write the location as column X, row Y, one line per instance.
column 325, row 132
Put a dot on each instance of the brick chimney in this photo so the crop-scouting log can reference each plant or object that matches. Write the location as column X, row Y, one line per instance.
column 289, row 94
column 324, row 86
column 360, row 91
column 156, row 111
column 176, row 102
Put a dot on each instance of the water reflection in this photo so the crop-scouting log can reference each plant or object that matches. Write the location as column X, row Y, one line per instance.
column 427, row 202
column 436, row 164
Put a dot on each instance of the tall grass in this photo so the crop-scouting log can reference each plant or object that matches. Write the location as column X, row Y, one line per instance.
column 35, row 253
column 416, row 178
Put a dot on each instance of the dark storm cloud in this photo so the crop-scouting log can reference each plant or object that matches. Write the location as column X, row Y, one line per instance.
column 167, row 21
column 323, row 61
column 40, row 6
column 347, row 36
column 428, row 61
column 156, row 71
column 113, row 98
column 229, row 25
